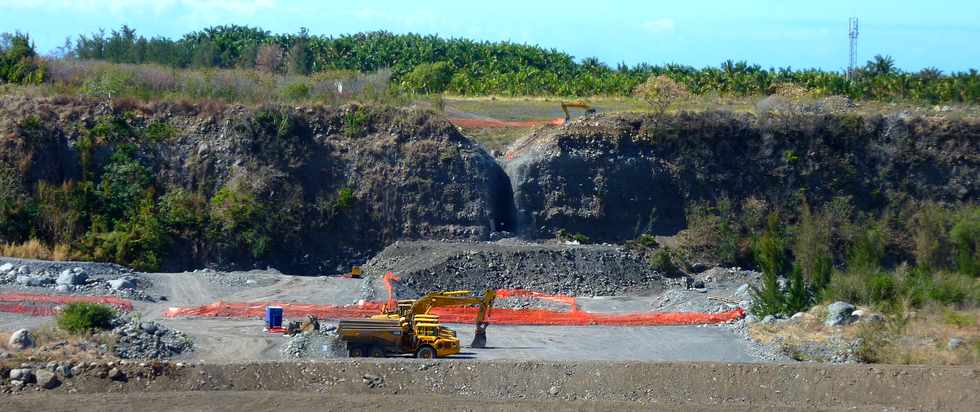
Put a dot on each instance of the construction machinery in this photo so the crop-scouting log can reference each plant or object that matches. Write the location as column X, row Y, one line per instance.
column 409, row 328
column 355, row 273
column 576, row 104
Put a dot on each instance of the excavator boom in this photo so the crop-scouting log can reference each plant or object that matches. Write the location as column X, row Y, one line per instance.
column 425, row 304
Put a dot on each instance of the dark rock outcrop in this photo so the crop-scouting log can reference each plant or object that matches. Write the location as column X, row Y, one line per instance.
column 613, row 177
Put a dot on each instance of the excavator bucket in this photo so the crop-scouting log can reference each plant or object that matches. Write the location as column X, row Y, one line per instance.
column 480, row 336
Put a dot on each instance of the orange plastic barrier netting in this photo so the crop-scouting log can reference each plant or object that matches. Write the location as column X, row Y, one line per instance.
column 46, row 305
column 498, row 316
column 494, row 123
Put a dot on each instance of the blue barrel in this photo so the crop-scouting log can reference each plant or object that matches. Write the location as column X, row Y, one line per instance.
column 273, row 317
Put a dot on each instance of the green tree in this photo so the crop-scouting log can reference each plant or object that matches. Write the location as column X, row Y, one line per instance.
column 770, row 255
column 299, row 60
column 798, row 296
column 812, row 246
column 429, row 77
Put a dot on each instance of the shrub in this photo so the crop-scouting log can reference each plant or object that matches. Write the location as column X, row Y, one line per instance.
column 798, row 296
column 355, row 122
column 661, row 92
column 960, row 320
column 428, row 77
column 85, row 317
column 139, row 241
column 930, row 230
column 965, row 235
column 868, row 249
column 880, row 288
column 296, row 91
column 663, row 261
column 238, row 219
column 278, row 121
column 159, row 131
column 345, row 199
column 955, row 289
column 812, row 248
column 845, row 287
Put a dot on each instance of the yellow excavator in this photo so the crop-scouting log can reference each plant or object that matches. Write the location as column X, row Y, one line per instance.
column 409, row 328
column 576, row 104
column 409, row 308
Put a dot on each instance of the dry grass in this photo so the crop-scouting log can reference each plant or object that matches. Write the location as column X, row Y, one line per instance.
column 915, row 337
column 54, row 344
column 34, row 249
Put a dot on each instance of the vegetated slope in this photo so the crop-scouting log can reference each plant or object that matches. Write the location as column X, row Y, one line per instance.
column 614, row 177
column 182, row 185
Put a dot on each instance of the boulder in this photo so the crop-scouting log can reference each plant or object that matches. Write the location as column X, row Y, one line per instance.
column 6, row 267
column 839, row 314
column 70, row 277
column 122, row 283
column 46, row 379
column 21, row 339
column 22, row 374
column 954, row 343
column 116, row 374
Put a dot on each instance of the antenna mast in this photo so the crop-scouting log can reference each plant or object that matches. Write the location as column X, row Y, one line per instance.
column 852, row 33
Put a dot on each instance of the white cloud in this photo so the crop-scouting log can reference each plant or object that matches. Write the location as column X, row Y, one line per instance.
column 658, row 25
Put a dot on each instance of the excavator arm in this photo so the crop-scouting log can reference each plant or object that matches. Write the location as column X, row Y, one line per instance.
column 423, row 305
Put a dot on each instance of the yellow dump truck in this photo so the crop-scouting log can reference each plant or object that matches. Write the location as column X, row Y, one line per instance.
column 411, row 329
column 423, row 337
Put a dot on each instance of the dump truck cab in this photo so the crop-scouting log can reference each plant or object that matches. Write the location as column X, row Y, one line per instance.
column 428, row 333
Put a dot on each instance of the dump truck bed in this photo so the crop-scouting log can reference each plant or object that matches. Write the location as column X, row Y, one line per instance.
column 371, row 331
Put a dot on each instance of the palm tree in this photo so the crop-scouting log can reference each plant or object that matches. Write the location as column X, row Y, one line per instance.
column 880, row 65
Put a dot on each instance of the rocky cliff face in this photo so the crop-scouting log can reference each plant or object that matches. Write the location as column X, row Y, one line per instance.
column 328, row 185
column 613, row 177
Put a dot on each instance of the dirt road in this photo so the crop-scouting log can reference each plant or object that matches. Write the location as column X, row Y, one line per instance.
column 522, row 385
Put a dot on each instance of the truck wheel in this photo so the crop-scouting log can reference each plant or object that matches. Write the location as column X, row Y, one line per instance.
column 377, row 352
column 355, row 352
column 425, row 352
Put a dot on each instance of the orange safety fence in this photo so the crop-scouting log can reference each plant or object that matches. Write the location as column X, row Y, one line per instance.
column 46, row 305
column 498, row 316
column 494, row 123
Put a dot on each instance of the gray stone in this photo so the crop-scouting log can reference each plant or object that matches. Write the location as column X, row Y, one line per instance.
column 769, row 319
column 954, row 343
column 122, row 283
column 148, row 327
column 116, row 374
column 23, row 270
column 66, row 371
column 839, row 314
column 6, row 267
column 71, row 277
column 554, row 390
column 64, row 288
column 22, row 374
column 47, row 379
column 21, row 339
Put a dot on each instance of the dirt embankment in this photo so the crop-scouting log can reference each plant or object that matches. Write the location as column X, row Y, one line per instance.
column 553, row 384
column 614, row 177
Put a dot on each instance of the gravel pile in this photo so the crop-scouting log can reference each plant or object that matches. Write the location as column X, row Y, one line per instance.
column 148, row 340
column 239, row 279
column 323, row 343
column 85, row 278
column 578, row 270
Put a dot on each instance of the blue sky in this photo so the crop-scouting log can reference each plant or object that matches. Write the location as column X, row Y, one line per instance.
column 944, row 34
